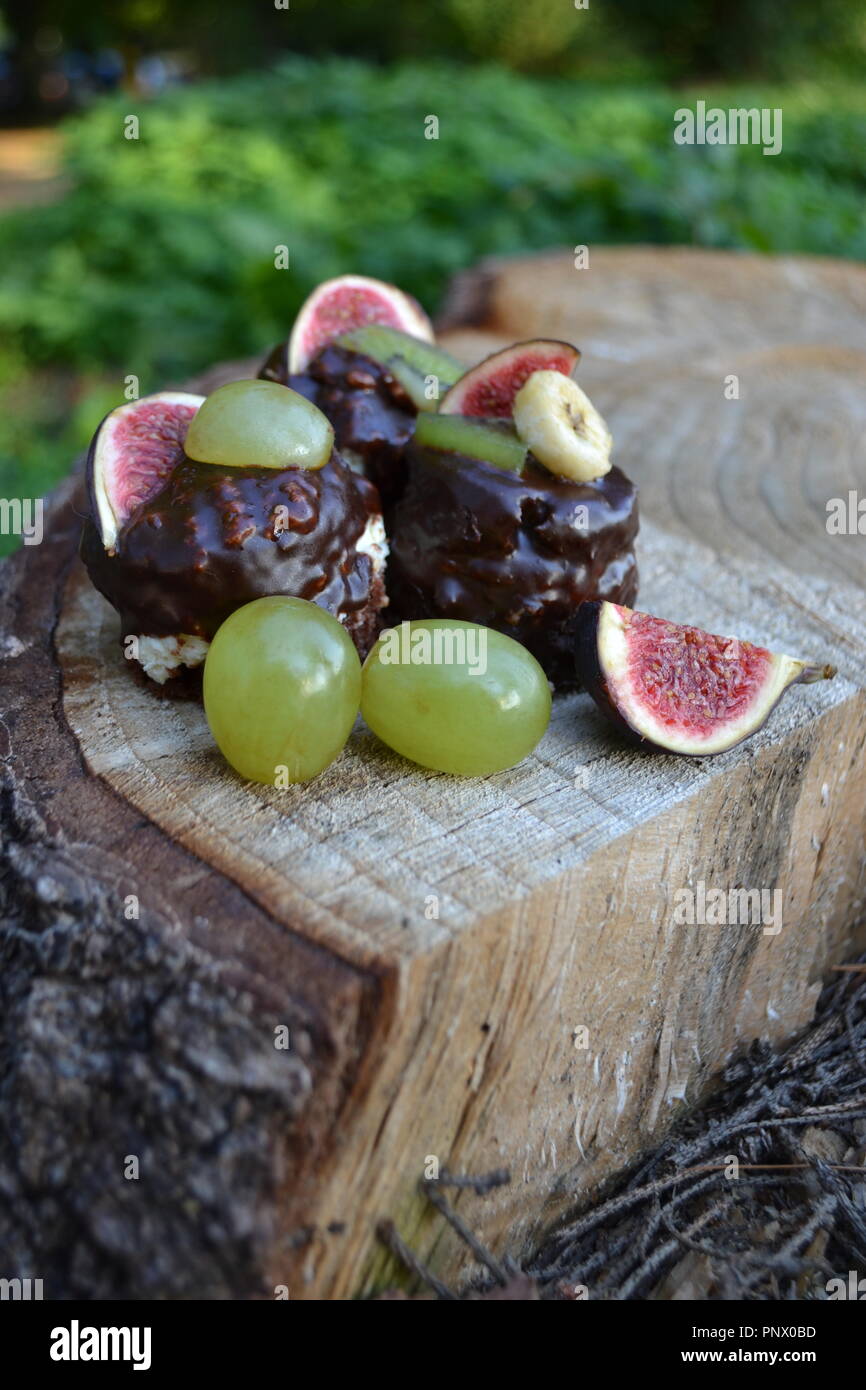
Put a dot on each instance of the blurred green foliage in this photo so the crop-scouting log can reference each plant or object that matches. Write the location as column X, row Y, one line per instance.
column 161, row 258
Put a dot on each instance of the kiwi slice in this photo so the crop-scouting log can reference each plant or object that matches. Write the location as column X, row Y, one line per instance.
column 414, row 384
column 490, row 441
column 409, row 359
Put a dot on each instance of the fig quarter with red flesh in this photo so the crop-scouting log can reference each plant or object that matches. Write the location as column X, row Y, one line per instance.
column 348, row 302
column 678, row 689
column 489, row 389
column 133, row 452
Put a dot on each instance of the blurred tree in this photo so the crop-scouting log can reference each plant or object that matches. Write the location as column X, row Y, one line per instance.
column 518, row 34
column 611, row 39
column 746, row 38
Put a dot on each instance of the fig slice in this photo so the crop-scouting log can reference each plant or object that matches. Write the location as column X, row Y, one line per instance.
column 337, row 306
column 489, row 389
column 679, row 689
column 132, row 452
column 489, row 441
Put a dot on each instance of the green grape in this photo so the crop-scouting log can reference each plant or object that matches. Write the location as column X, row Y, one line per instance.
column 455, row 696
column 282, row 686
column 259, row 424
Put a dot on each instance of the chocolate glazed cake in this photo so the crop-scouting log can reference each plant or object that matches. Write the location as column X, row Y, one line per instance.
column 372, row 414
column 515, row 551
column 213, row 538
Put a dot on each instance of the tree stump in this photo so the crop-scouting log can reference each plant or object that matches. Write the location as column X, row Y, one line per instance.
column 482, row 974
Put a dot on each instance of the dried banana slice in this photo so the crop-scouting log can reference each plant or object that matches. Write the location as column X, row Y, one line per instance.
column 560, row 424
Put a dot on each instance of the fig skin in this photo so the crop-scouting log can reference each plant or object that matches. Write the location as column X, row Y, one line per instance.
column 593, row 676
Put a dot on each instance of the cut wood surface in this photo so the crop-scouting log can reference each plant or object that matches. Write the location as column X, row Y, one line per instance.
column 439, row 946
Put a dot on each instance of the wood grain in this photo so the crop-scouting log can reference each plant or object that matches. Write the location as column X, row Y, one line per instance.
column 481, row 925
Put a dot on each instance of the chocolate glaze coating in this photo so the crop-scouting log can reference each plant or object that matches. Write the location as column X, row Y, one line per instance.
column 372, row 415
column 475, row 542
column 211, row 540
